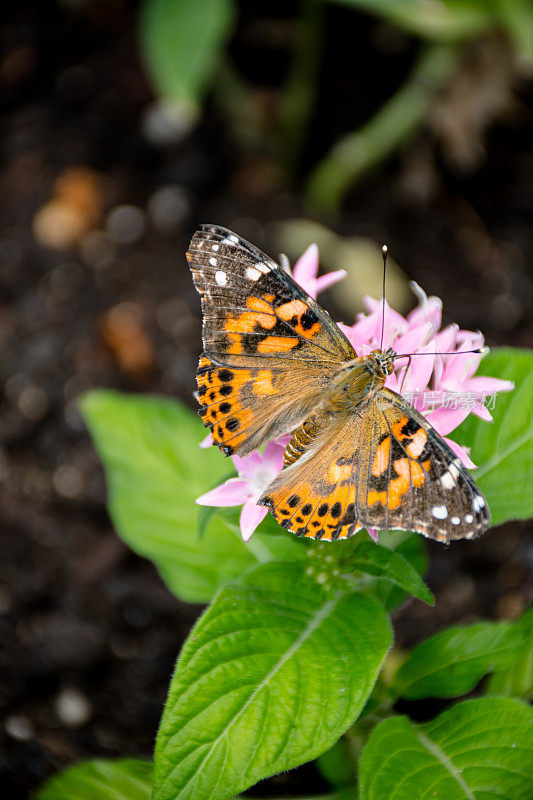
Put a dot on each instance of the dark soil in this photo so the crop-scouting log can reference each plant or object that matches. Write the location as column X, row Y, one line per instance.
column 79, row 613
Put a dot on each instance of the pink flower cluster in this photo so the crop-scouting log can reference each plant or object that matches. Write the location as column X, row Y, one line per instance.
column 428, row 382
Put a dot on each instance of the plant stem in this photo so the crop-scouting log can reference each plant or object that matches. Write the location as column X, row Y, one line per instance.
column 358, row 152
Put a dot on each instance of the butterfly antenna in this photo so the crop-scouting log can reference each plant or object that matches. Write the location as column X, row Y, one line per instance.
column 384, row 254
column 456, row 353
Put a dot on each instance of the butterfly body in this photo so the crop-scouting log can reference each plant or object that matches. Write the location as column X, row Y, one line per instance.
column 274, row 362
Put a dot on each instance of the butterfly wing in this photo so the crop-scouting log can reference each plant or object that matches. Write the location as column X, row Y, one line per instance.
column 269, row 347
column 384, row 468
column 414, row 481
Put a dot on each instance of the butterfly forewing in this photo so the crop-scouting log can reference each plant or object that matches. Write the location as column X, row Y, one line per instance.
column 254, row 313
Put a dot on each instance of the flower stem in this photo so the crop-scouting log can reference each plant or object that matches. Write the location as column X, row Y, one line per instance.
column 356, row 153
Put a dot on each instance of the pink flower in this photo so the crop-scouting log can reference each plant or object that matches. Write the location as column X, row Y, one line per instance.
column 256, row 471
column 306, row 269
column 444, row 388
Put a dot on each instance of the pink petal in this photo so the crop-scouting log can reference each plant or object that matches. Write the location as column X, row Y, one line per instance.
column 445, row 420
column 481, row 411
column 251, row 516
column 461, row 453
column 325, row 281
column 365, row 330
column 247, row 465
column 373, row 533
column 413, row 339
column 484, row 385
column 231, row 493
column 430, row 311
column 306, row 267
column 207, row 442
column 460, row 367
column 273, row 456
column 421, row 369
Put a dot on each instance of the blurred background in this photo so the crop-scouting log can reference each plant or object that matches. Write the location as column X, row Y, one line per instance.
column 124, row 126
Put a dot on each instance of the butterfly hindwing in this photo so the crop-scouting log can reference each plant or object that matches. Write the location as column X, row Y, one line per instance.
column 415, row 481
column 246, row 407
column 386, row 468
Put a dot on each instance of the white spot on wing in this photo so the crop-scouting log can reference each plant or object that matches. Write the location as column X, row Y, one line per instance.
column 447, row 480
column 469, row 518
column 231, row 239
column 252, row 274
column 478, row 503
column 214, row 247
column 439, row 512
column 221, row 277
column 455, row 520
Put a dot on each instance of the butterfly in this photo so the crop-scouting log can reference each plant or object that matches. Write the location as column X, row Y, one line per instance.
column 275, row 362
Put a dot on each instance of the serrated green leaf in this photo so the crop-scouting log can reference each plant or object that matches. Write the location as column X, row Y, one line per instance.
column 376, row 560
column 516, row 680
column 503, row 449
column 478, row 750
column 452, row 662
column 181, row 44
column 123, row 779
column 155, row 470
column 272, row 674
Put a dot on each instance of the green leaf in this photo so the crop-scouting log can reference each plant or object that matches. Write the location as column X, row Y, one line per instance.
column 123, row 779
column 338, row 765
column 478, row 750
column 181, row 44
column 503, row 449
column 155, row 470
column 446, row 20
column 411, row 546
column 516, row 680
column 374, row 559
column 452, row 662
column 270, row 677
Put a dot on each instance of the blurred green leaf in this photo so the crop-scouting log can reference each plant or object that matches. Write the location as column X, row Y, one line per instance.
column 337, row 764
column 452, row 662
column 376, row 560
column 181, row 44
column 440, row 20
column 516, row 680
column 155, row 470
column 503, row 448
column 123, row 779
column 478, row 750
column 272, row 674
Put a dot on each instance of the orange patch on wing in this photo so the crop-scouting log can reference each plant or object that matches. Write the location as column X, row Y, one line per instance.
column 235, row 347
column 339, row 472
column 260, row 313
column 269, row 297
column 381, row 459
column 397, row 428
column 263, row 383
column 415, row 447
column 276, row 344
column 237, row 415
column 408, row 472
column 427, row 464
column 294, row 308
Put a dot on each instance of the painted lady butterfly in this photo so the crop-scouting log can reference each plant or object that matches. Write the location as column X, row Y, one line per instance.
column 360, row 455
